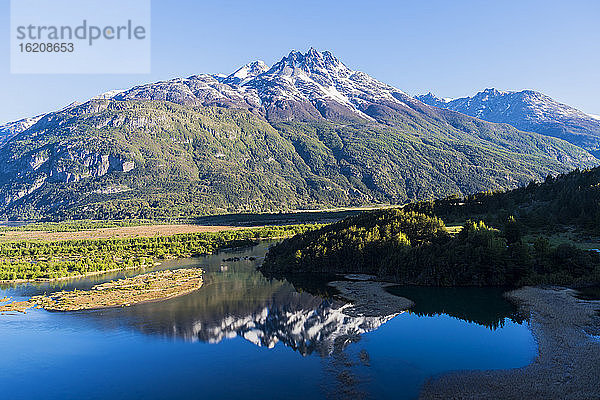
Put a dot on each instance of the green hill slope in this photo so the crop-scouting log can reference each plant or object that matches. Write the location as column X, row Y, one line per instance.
column 156, row 159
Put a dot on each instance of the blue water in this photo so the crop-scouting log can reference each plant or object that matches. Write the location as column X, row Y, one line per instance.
column 243, row 336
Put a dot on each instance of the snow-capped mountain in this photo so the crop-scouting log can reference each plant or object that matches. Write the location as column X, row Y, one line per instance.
column 316, row 85
column 309, row 86
column 529, row 111
column 319, row 85
column 307, row 131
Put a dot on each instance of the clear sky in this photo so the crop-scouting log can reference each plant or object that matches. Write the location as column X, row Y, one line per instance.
column 450, row 47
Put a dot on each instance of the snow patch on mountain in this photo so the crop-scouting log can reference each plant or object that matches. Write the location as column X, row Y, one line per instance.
column 11, row 129
column 108, row 95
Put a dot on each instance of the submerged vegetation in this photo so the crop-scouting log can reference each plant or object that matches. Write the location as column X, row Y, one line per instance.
column 51, row 260
column 413, row 246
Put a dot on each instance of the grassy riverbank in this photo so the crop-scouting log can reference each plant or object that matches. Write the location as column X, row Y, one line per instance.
column 122, row 232
column 29, row 259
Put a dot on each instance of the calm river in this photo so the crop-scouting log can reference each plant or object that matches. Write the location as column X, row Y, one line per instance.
column 242, row 336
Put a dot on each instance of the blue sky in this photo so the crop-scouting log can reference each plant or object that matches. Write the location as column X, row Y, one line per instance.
column 453, row 48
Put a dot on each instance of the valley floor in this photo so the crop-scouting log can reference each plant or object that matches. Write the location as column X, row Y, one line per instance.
column 568, row 363
column 118, row 232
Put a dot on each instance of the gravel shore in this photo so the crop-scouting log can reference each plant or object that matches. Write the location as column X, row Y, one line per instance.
column 568, row 361
column 370, row 299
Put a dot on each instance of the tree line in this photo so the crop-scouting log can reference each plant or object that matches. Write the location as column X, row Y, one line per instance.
column 46, row 259
column 415, row 248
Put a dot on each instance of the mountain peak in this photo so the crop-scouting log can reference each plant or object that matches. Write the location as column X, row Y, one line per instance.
column 429, row 97
column 432, row 100
column 492, row 92
column 310, row 61
column 294, row 56
column 247, row 72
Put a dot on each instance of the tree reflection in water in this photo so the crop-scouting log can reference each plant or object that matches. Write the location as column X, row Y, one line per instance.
column 480, row 305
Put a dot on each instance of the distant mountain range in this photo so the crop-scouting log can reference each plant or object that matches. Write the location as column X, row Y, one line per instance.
column 529, row 111
column 307, row 132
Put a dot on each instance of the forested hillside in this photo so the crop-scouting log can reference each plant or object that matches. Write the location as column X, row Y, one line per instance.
column 416, row 248
column 149, row 159
column 568, row 200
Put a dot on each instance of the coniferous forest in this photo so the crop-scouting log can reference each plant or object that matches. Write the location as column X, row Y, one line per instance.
column 505, row 239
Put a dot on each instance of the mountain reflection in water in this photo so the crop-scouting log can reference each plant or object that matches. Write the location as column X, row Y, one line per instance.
column 238, row 301
column 241, row 302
